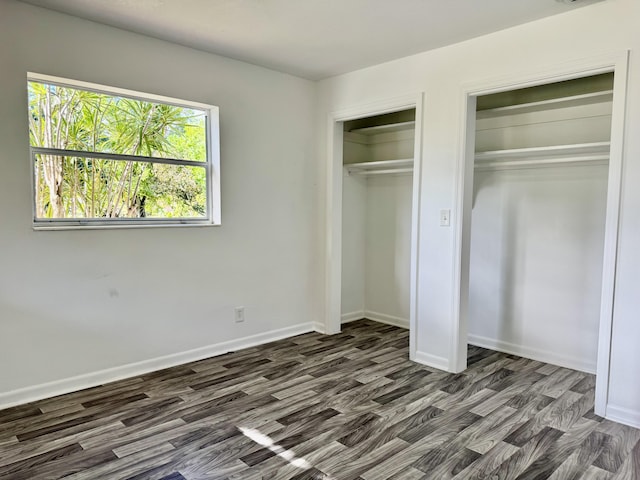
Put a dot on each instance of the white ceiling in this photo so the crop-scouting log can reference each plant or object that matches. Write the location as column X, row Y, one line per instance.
column 313, row 38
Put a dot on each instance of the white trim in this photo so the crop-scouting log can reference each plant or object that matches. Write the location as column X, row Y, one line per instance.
column 333, row 219
column 213, row 154
column 461, row 222
column 546, row 356
column 433, row 361
column 376, row 317
column 211, row 165
column 623, row 415
column 612, row 225
column 319, row 328
column 352, row 316
column 387, row 319
column 123, row 92
column 333, row 245
column 617, row 62
column 80, row 382
column 53, row 226
column 415, row 230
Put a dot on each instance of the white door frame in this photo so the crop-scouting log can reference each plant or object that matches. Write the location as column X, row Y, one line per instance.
column 333, row 287
column 616, row 62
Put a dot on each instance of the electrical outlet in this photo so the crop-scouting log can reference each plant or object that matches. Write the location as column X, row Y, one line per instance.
column 239, row 314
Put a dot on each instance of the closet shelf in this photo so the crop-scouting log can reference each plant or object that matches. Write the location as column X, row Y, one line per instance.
column 391, row 127
column 555, row 155
column 603, row 96
column 404, row 165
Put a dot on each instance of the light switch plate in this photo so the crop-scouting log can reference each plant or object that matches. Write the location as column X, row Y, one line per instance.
column 445, row 218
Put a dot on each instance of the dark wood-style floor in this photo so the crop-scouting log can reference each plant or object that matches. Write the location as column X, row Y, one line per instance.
column 349, row 406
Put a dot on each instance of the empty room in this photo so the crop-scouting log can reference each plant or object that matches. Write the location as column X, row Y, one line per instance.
column 319, row 239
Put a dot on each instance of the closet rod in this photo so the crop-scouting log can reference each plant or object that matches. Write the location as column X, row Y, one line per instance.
column 547, row 162
column 551, row 151
column 380, row 172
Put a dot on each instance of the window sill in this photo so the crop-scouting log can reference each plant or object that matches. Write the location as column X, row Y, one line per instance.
column 118, row 226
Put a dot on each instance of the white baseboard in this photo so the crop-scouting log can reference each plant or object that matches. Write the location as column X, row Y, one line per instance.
column 388, row 319
column 623, row 415
column 88, row 380
column 434, row 361
column 376, row 317
column 319, row 327
column 352, row 316
column 546, row 356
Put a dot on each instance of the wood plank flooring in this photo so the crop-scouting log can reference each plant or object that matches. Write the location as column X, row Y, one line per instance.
column 343, row 407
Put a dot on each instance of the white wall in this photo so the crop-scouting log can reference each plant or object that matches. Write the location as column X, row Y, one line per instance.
column 388, row 248
column 76, row 302
column 392, row 146
column 354, row 241
column 606, row 26
column 536, row 262
column 376, row 247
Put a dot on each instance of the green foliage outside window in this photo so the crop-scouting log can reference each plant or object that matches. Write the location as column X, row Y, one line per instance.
column 75, row 185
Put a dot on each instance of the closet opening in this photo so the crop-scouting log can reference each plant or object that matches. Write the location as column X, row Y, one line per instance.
column 538, row 221
column 373, row 218
column 377, row 191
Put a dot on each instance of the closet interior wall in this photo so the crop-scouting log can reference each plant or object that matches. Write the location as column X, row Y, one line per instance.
column 376, row 217
column 537, row 235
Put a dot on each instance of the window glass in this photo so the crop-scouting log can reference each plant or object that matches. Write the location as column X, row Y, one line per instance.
column 106, row 157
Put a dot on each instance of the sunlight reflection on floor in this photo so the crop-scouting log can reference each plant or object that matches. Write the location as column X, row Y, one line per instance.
column 267, row 442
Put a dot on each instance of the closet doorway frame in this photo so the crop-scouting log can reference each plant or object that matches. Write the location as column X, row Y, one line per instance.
column 616, row 62
column 333, row 251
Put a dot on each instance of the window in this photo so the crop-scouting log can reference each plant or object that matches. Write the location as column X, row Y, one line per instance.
column 109, row 157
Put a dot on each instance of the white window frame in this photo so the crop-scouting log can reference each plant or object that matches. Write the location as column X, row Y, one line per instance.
column 211, row 165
